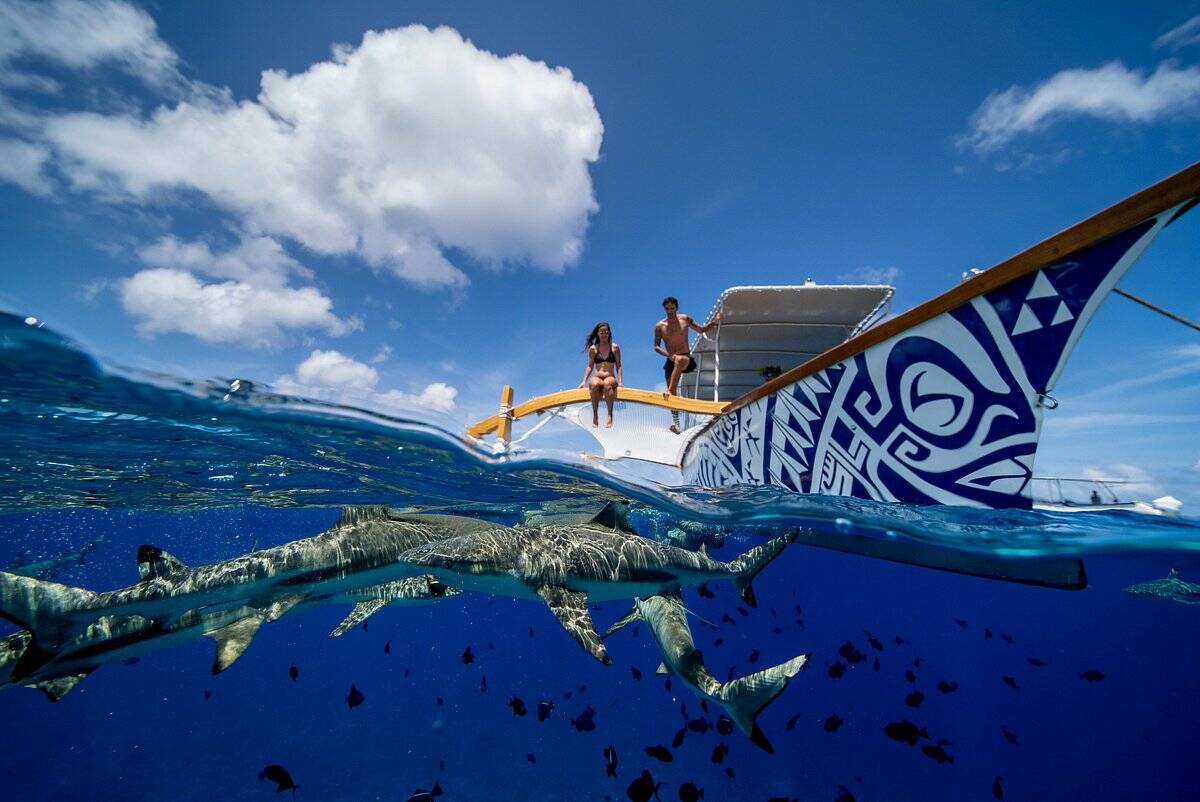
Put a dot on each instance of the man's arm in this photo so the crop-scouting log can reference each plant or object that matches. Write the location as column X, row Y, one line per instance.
column 691, row 321
column 658, row 338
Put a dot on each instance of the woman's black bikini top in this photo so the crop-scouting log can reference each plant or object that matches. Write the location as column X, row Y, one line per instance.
column 612, row 355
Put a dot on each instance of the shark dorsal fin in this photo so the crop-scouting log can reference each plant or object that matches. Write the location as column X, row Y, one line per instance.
column 154, row 563
column 615, row 515
column 232, row 640
column 362, row 513
column 1174, row 574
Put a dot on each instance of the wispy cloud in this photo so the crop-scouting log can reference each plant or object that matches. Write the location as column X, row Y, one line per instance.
column 1100, row 421
column 1186, row 34
column 1111, row 92
column 872, row 275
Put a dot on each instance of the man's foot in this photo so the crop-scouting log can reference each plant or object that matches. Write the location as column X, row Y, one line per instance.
column 608, row 423
column 595, row 421
column 673, row 428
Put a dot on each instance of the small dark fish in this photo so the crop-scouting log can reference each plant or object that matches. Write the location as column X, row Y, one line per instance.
column 833, row 724
column 916, row 662
column 131, row 661
column 531, row 757
column 677, row 741
column 843, row 795
column 531, row 632
column 294, row 672
column 700, row 725
column 962, row 623
column 468, row 656
column 585, row 721
column 1036, row 662
column 387, row 648
column 582, row 689
column 791, row 723
column 875, row 644
column 644, row 787
column 440, row 701
column 483, row 684
column 947, row 687
column 936, row 752
column 659, row 752
column 729, row 772
column 705, row 592
column 724, row 725
column 876, row 665
column 518, row 705
column 1010, row 682
column 610, row 761
column 987, row 634
column 689, row 792
column 354, row 697
column 544, row 710
column 719, row 642
column 719, row 752
column 905, row 732
column 851, row 653
column 421, row 795
column 998, row 787
column 837, row 670
column 909, row 675
column 914, row 699
column 637, row 675
column 635, row 631
column 1007, row 638
column 278, row 775
column 753, row 656
column 207, row 695
column 1092, row 675
column 1010, row 736
column 725, row 617
column 407, row 671
column 776, row 630
column 902, row 641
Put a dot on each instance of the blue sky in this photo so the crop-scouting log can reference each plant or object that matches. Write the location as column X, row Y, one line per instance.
column 328, row 198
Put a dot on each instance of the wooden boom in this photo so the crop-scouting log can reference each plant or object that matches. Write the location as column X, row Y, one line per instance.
column 542, row 403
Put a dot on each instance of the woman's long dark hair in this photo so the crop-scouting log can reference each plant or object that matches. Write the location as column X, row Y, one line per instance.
column 594, row 337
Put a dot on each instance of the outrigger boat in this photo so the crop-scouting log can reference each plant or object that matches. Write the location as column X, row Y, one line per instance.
column 810, row 389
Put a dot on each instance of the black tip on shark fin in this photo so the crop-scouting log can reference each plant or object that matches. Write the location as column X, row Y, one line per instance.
column 760, row 740
column 615, row 515
column 154, row 563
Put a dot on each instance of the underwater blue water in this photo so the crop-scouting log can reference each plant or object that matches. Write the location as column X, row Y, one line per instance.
column 96, row 462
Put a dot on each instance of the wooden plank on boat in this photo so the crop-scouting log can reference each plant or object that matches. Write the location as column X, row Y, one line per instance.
column 1138, row 207
column 581, row 395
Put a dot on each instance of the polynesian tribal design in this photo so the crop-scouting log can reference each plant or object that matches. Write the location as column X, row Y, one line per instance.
column 947, row 412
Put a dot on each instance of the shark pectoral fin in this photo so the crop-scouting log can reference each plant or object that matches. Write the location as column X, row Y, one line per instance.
column 570, row 608
column 623, row 621
column 662, row 669
column 232, row 640
column 361, row 612
column 59, row 687
column 278, row 609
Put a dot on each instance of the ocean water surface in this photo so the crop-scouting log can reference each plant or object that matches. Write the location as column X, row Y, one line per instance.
column 1016, row 692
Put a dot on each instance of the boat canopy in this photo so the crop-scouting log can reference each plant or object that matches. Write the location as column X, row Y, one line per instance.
column 765, row 331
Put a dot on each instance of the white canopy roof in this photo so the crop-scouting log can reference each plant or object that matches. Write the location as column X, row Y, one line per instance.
column 782, row 327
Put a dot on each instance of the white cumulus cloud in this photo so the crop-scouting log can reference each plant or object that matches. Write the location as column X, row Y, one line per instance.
column 333, row 376
column 1111, row 92
column 412, row 144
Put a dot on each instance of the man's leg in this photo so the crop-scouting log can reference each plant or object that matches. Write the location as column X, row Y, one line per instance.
column 680, row 361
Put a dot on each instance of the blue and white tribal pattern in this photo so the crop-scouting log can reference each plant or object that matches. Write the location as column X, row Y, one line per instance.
column 947, row 412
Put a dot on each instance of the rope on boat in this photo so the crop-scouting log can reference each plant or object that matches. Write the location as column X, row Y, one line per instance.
column 1159, row 309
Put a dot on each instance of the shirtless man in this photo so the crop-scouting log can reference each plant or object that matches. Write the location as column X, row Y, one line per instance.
column 673, row 331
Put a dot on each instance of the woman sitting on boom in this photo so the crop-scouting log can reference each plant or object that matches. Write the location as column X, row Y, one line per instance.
column 604, row 357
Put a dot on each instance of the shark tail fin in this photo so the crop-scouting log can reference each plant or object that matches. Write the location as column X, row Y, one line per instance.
column 42, row 608
column 745, row 698
column 749, row 564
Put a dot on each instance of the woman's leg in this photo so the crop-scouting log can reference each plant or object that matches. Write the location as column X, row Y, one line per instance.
column 610, row 395
column 596, row 388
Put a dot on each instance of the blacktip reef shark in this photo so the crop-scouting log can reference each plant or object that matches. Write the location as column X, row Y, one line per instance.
column 360, row 551
column 743, row 699
column 121, row 637
column 1170, row 587
column 568, row 565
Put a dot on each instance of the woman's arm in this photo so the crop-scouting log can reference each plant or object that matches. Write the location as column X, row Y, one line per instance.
column 620, row 373
column 591, row 363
